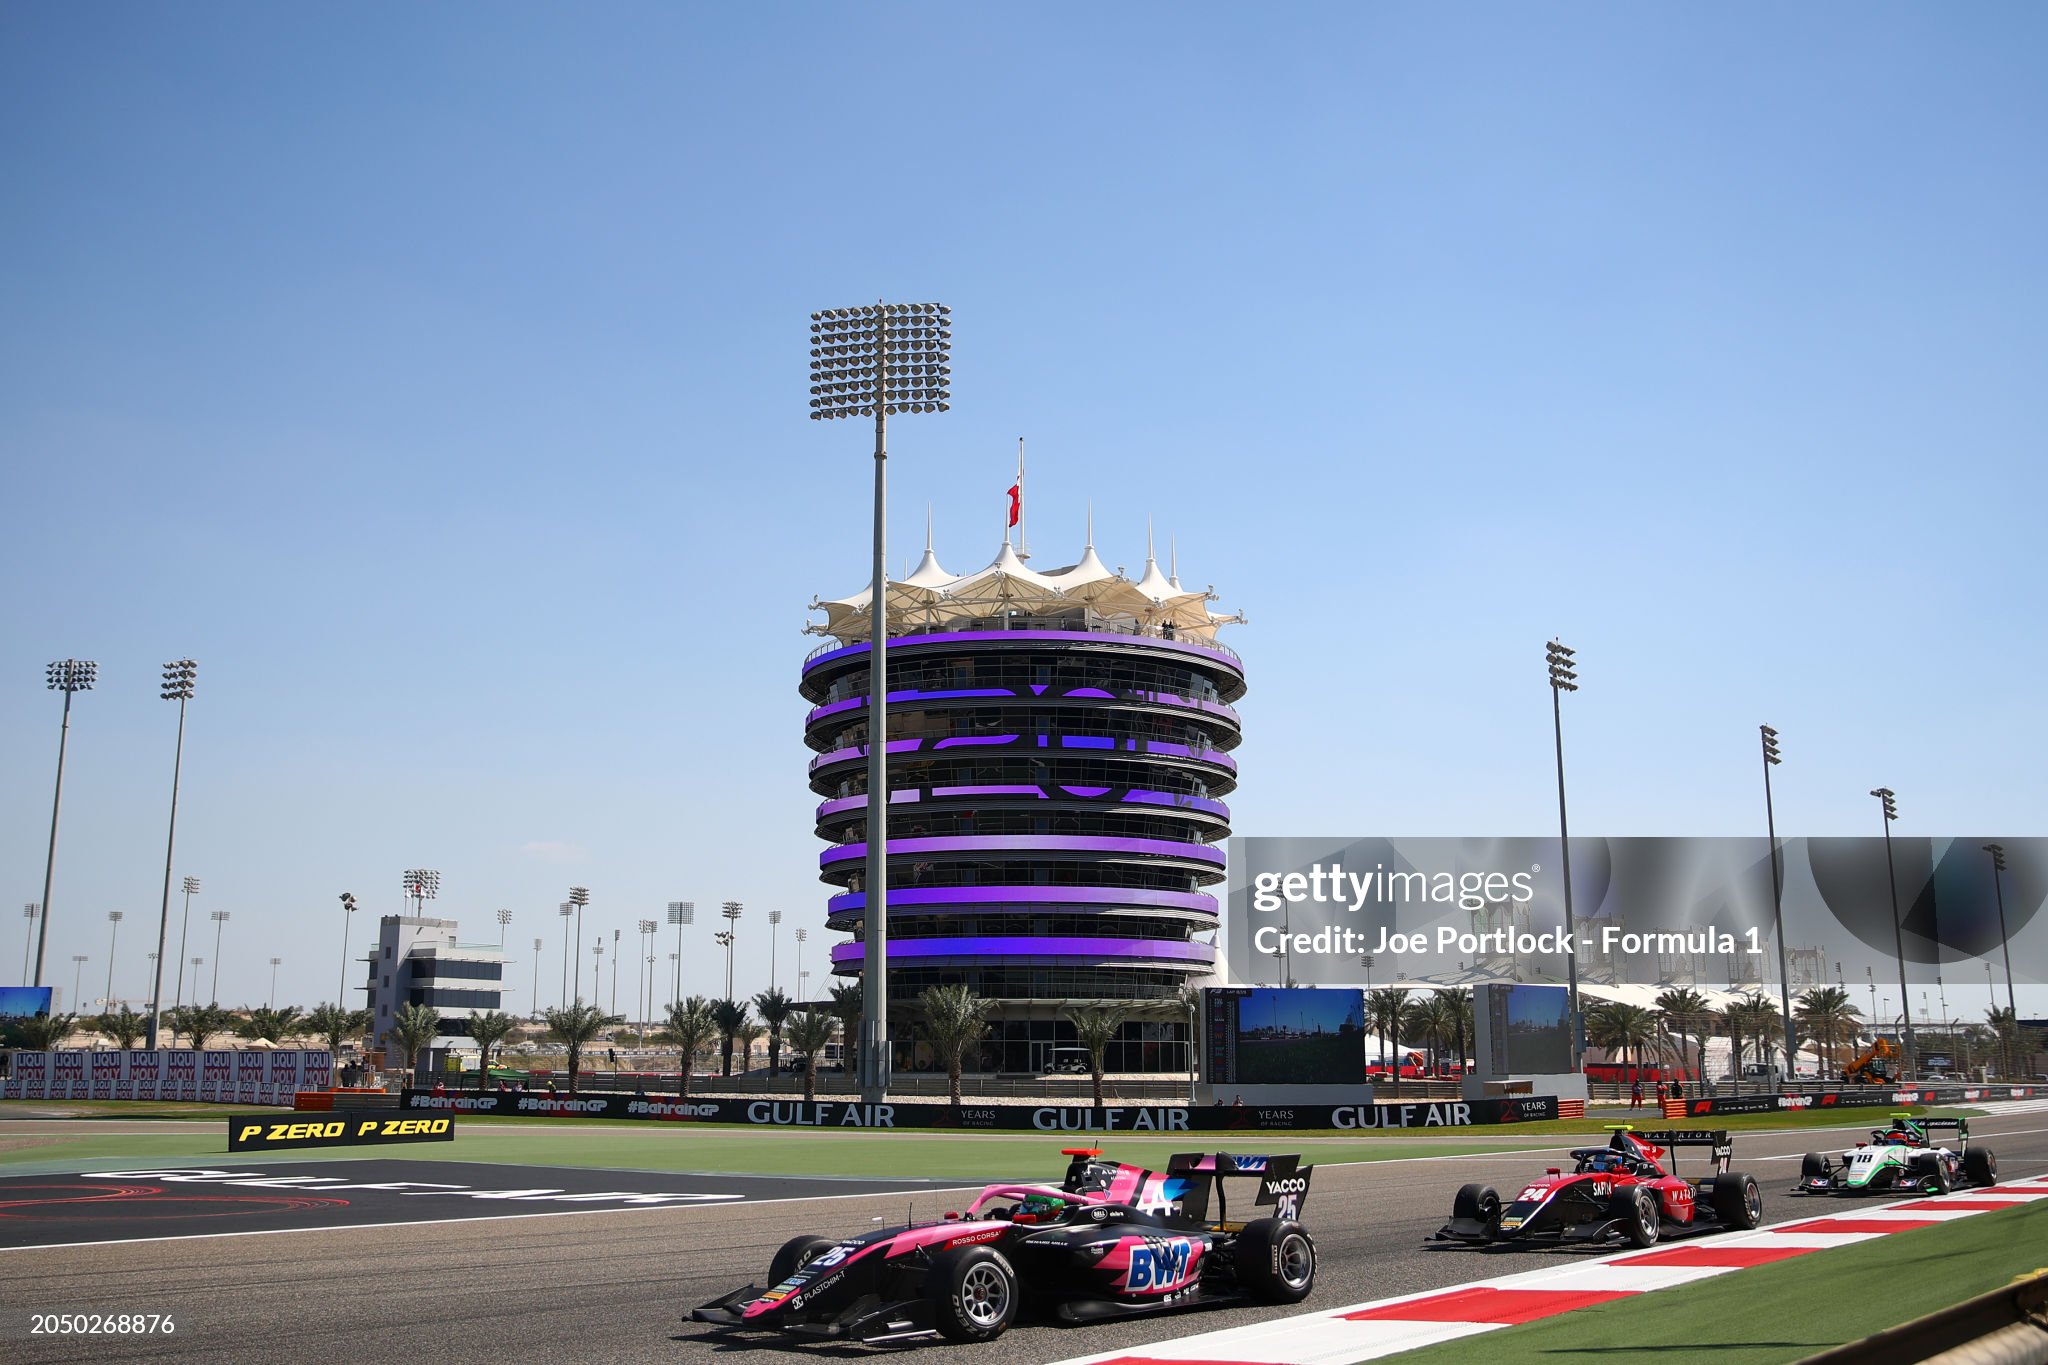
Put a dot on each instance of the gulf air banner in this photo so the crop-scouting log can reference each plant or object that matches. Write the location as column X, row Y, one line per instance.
column 1381, row 912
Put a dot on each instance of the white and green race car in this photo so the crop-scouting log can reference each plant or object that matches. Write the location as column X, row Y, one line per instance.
column 1901, row 1159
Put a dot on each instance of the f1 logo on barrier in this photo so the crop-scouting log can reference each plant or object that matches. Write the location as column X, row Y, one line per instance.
column 261, row 1133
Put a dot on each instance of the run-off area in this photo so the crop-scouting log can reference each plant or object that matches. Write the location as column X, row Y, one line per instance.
column 155, row 1202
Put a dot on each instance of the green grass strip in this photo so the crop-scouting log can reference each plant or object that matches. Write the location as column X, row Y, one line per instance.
column 1781, row 1312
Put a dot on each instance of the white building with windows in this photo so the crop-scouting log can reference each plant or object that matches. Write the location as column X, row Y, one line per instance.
column 421, row 961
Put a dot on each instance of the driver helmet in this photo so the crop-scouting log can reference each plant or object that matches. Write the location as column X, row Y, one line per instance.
column 1600, row 1161
column 1042, row 1206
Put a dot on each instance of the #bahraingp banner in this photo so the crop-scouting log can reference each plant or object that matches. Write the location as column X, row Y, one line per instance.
column 1453, row 911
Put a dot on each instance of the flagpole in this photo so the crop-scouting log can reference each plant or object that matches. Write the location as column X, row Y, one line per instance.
column 1023, row 546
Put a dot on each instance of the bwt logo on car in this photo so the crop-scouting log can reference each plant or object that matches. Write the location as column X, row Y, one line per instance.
column 1160, row 1264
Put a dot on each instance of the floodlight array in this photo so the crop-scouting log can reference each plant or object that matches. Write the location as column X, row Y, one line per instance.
column 895, row 357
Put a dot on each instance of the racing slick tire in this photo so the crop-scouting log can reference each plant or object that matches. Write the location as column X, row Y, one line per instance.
column 1635, row 1208
column 1479, row 1203
column 1813, row 1166
column 1980, row 1164
column 795, row 1254
column 1738, row 1200
column 973, row 1293
column 1276, row 1261
column 1932, row 1174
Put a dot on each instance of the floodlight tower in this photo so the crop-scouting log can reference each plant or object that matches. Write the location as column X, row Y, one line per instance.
column 348, row 919
column 801, row 934
column 579, row 897
column 730, row 912
column 185, row 930
column 645, row 978
column 774, row 922
column 877, row 362
column 679, row 914
column 77, row 976
column 220, row 923
column 568, row 958
column 66, row 676
column 1889, row 800
column 30, row 912
column 179, row 675
column 1564, row 678
column 113, row 937
column 536, row 979
column 422, row 884
column 504, row 918
column 1771, row 759
column 1997, row 852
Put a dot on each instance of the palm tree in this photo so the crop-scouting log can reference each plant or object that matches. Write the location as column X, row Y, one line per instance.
column 1460, row 998
column 2005, row 1030
column 1825, row 1012
column 1433, row 1019
column 489, row 1029
column 334, row 1025
column 1623, row 1029
column 746, row 1035
column 41, row 1032
column 274, row 1024
column 575, row 1028
column 1751, row 1018
column 1686, row 1011
column 690, row 1026
column 848, row 1002
column 1383, row 1008
column 199, row 1023
column 124, row 1026
column 809, row 1033
column 954, row 1016
column 1095, row 1028
column 775, row 1009
column 730, row 1016
column 413, row 1027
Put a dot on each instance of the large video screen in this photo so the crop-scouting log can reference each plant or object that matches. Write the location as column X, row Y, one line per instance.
column 24, row 1002
column 1536, row 1023
column 1274, row 1036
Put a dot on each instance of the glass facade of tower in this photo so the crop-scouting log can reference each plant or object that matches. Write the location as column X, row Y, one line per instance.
column 1056, row 809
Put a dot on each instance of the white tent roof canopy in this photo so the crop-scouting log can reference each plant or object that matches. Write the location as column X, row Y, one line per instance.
column 930, row 598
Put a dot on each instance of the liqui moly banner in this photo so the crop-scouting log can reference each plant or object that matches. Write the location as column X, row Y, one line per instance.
column 181, row 1075
column 106, row 1072
column 170, row 1074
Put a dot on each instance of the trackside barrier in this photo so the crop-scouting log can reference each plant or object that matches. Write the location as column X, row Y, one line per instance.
column 1571, row 1109
column 212, row 1076
column 1702, row 1106
column 1044, row 1118
column 340, row 1097
column 2007, row 1326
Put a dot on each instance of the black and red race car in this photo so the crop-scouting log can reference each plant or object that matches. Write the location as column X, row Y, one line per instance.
column 1627, row 1191
column 1110, row 1240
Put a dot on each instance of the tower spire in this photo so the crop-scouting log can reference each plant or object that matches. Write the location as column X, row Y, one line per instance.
column 1023, row 545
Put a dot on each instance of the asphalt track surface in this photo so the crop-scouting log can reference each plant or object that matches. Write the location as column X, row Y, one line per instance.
column 614, row 1285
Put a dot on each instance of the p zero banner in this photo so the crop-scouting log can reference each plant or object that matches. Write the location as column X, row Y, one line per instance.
column 1042, row 1118
column 1326, row 912
column 266, row 1133
column 167, row 1074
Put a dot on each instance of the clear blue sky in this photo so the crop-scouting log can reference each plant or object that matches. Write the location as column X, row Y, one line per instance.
column 436, row 378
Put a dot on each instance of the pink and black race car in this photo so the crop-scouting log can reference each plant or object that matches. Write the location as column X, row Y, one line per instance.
column 1109, row 1240
column 1628, row 1191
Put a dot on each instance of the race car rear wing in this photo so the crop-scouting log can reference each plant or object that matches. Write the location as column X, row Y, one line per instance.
column 1960, row 1127
column 1671, row 1139
column 1283, row 1182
